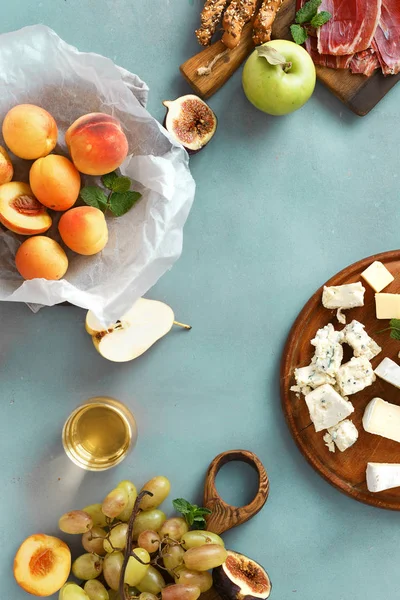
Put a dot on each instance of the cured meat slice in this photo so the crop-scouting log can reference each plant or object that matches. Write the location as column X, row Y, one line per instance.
column 387, row 37
column 351, row 28
column 365, row 62
column 326, row 60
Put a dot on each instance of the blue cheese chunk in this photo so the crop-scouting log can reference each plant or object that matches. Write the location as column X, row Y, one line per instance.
column 311, row 377
column 343, row 436
column 328, row 350
column 327, row 408
column 362, row 344
column 355, row 375
column 343, row 296
column 389, row 371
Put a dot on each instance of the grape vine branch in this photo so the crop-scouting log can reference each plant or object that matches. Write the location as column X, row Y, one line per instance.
column 129, row 541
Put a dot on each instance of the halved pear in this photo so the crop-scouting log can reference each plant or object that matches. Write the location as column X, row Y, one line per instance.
column 145, row 323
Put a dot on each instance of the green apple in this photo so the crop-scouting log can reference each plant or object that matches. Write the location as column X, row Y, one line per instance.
column 279, row 89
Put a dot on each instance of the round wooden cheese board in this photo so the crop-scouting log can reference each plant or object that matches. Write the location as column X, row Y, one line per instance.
column 344, row 470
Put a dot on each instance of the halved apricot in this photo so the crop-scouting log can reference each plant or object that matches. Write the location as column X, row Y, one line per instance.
column 42, row 564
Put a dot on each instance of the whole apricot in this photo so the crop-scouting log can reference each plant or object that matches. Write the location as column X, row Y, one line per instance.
column 40, row 256
column 84, row 230
column 97, row 144
column 29, row 131
column 55, row 182
column 6, row 168
column 20, row 211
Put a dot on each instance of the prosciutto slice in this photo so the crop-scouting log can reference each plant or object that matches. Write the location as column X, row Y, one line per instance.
column 326, row 60
column 352, row 26
column 387, row 37
column 365, row 62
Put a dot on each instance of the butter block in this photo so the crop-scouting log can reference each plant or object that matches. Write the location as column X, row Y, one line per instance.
column 387, row 306
column 382, row 418
column 377, row 276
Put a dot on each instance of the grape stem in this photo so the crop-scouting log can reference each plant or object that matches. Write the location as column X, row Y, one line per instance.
column 129, row 542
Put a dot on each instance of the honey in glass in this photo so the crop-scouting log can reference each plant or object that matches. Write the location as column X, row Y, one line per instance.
column 99, row 434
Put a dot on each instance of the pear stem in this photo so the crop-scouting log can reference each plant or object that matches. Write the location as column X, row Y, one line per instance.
column 182, row 325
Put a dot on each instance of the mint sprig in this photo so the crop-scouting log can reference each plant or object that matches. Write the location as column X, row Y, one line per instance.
column 308, row 15
column 120, row 199
column 194, row 515
column 308, row 11
column 320, row 19
column 394, row 328
column 299, row 34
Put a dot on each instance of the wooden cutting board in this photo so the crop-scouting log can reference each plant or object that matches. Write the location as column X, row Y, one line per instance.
column 358, row 92
column 344, row 470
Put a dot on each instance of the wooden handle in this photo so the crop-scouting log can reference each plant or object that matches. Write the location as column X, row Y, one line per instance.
column 206, row 85
column 225, row 516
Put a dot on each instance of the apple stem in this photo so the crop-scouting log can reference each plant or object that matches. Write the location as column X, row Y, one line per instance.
column 182, row 325
column 287, row 66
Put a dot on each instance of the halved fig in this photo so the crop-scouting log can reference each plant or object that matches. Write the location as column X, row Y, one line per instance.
column 190, row 121
column 241, row 578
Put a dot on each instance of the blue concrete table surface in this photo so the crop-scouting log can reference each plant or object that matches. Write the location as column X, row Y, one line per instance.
column 281, row 205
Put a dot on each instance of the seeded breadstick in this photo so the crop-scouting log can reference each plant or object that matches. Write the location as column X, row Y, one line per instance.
column 210, row 17
column 264, row 21
column 238, row 13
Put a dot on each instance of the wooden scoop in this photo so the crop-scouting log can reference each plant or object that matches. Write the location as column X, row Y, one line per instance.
column 224, row 516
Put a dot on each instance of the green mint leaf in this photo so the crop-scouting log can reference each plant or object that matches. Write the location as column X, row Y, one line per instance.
column 299, row 34
column 121, row 184
column 94, row 196
column 199, row 523
column 189, row 518
column 121, row 202
column 395, row 329
column 109, row 179
column 203, row 511
column 271, row 55
column 307, row 11
column 181, row 505
column 320, row 19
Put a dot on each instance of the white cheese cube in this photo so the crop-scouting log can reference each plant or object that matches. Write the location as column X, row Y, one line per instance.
column 355, row 375
column 310, row 376
column 389, row 371
column 382, row 476
column 343, row 296
column 343, row 435
column 327, row 408
column 382, row 418
column 387, row 306
column 378, row 276
column 328, row 350
column 363, row 345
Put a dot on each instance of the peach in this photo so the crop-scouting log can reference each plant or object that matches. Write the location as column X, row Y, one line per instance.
column 42, row 564
column 29, row 131
column 97, row 144
column 6, row 168
column 84, row 230
column 55, row 182
column 41, row 256
column 20, row 211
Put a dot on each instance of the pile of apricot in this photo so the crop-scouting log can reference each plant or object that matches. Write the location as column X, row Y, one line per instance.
column 97, row 145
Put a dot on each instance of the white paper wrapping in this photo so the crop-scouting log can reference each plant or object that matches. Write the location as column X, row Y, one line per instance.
column 37, row 67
